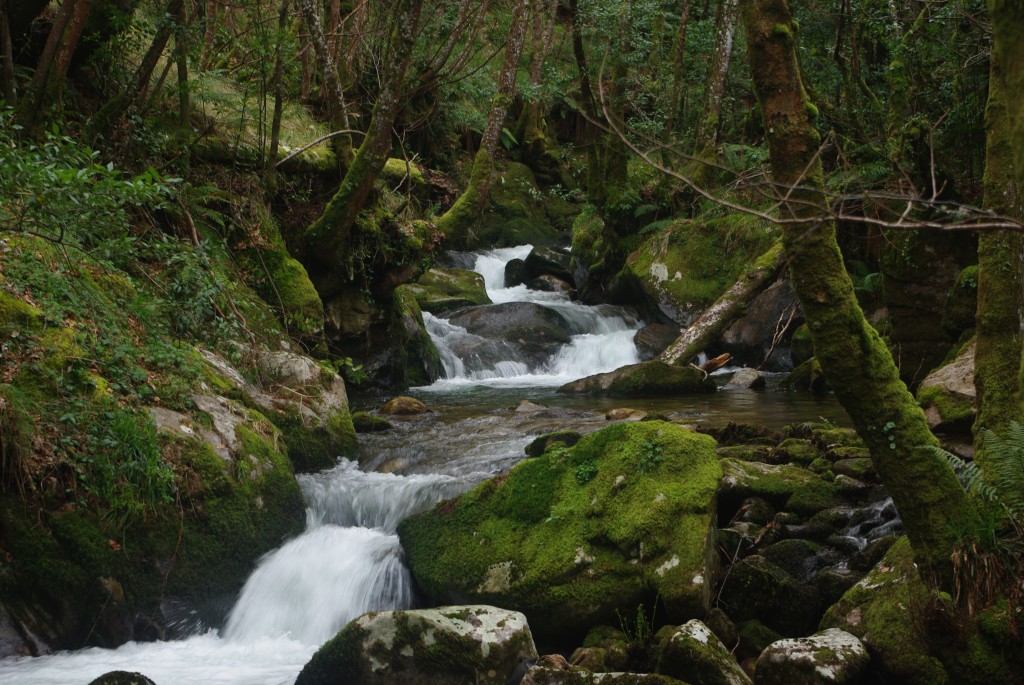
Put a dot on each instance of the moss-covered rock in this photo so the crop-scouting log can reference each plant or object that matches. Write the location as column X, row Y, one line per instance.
column 403, row 406
column 575, row 535
column 455, row 644
column 880, row 610
column 948, row 394
column 643, row 379
column 365, row 422
column 787, row 487
column 543, row 443
column 415, row 349
column 687, row 265
column 515, row 213
column 694, row 654
column 796, row 451
column 283, row 282
column 755, row 588
column 441, row 290
column 807, row 376
column 831, row 656
column 16, row 315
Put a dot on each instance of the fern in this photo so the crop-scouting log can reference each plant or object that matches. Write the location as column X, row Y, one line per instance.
column 655, row 226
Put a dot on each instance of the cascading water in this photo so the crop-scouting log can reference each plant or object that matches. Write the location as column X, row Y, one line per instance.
column 347, row 562
column 602, row 340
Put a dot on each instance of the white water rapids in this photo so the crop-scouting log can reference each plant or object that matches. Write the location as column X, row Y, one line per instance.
column 349, row 560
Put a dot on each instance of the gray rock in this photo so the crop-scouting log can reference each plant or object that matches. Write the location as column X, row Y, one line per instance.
column 954, row 382
column 544, row 260
column 746, row 379
column 750, row 339
column 695, row 654
column 455, row 644
column 289, row 369
column 644, row 379
column 652, row 339
column 832, row 657
column 122, row 678
column 539, row 331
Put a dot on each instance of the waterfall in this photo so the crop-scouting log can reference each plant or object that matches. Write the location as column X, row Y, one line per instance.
column 603, row 340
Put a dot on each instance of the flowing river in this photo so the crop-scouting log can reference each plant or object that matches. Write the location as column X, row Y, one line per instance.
column 349, row 560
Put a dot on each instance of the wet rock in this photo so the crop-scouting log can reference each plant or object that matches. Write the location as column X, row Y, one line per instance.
column 545, row 261
column 861, row 468
column 404, row 406
column 474, row 644
column 122, row 678
column 762, row 453
column 537, row 330
column 833, row 583
column 561, row 537
column 722, row 626
column 755, row 510
column 756, row 588
column 517, row 273
column 550, row 284
column 695, row 655
column 796, row 451
column 750, row 379
column 831, row 657
column 751, row 339
column 645, row 379
column 754, row 639
column 369, row 423
column 625, row 414
column 600, row 659
column 654, row 338
column 795, row 557
column 948, row 396
column 442, row 290
column 786, row 487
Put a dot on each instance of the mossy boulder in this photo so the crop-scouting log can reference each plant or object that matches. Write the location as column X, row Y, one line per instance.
column 796, row 451
column 588, row 250
column 17, row 316
column 403, row 406
column 687, row 265
column 948, row 395
column 573, row 536
column 441, row 290
column 544, row 261
column 807, row 376
column 694, row 654
column 414, row 349
column 643, row 379
column 789, row 488
column 830, row 657
column 515, row 213
column 543, row 443
column 454, row 644
column 284, row 284
column 880, row 611
column 755, row 588
column 365, row 422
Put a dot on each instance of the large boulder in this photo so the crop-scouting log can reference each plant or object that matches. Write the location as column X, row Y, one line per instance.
column 786, row 487
column 546, row 261
column 947, row 393
column 684, row 268
column 831, row 657
column 539, row 331
column 752, row 339
column 575, row 536
column 122, row 678
column 442, row 290
column 694, row 654
column 456, row 644
column 652, row 339
column 643, row 379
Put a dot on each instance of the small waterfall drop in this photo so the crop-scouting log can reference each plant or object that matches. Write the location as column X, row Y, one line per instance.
column 602, row 340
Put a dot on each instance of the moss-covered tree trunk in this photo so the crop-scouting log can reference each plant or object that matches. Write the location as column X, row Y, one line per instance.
column 730, row 306
column 456, row 224
column 997, row 359
column 930, row 500
column 326, row 241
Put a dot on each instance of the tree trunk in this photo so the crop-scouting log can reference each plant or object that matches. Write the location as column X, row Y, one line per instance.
column 706, row 136
column 337, row 111
column 30, row 109
column 10, row 92
column 456, row 224
column 326, row 241
column 277, row 86
column 1000, row 254
column 181, row 57
column 929, row 498
column 726, row 309
column 675, row 111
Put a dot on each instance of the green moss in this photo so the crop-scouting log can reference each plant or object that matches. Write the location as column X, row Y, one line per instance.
column 539, row 542
column 689, row 264
column 797, row 451
column 284, row 284
column 441, row 290
column 800, row 345
column 341, row 654
column 18, row 315
column 397, row 170
column 954, row 409
column 962, row 301
column 541, row 444
column 369, row 423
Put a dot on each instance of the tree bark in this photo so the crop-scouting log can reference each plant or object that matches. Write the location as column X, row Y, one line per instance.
column 7, row 55
column 706, row 136
column 277, row 86
column 325, row 243
column 730, row 306
column 675, row 111
column 31, row 106
column 181, row 57
column 928, row 496
column 997, row 359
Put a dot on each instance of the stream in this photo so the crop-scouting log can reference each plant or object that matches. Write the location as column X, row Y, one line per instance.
column 349, row 560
